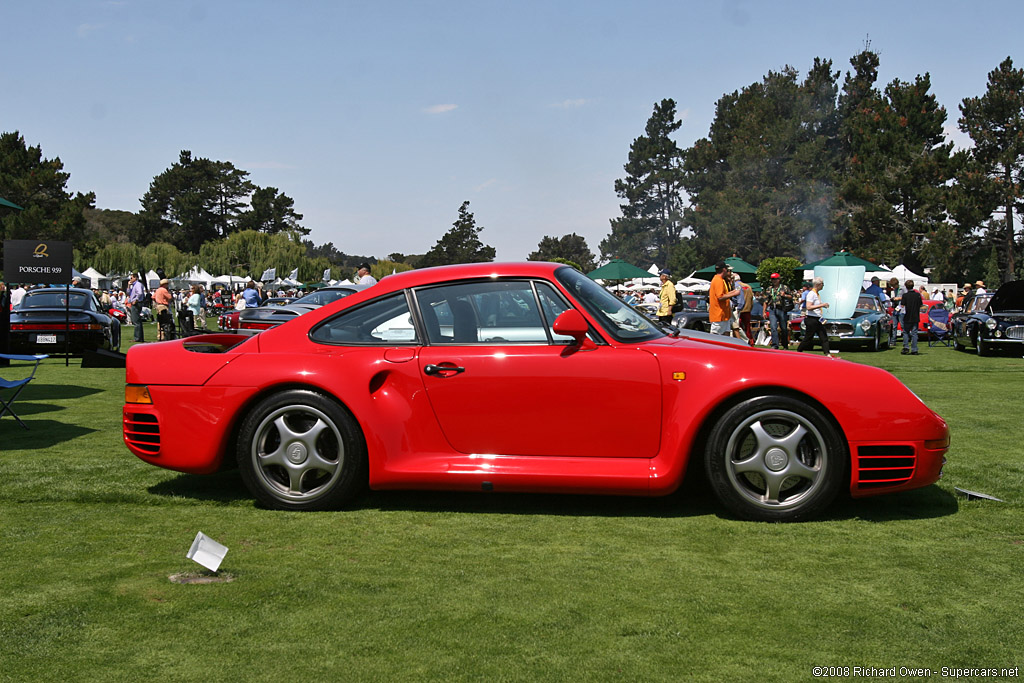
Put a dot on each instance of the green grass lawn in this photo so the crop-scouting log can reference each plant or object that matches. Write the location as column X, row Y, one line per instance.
column 438, row 586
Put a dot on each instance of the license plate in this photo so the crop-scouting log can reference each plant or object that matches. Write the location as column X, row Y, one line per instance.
column 46, row 339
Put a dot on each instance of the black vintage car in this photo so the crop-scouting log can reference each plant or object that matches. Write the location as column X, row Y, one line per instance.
column 992, row 321
column 40, row 323
column 694, row 315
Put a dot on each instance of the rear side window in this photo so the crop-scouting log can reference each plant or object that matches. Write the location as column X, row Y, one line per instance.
column 384, row 321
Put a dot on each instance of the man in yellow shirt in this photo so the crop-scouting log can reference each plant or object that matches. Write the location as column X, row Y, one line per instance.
column 667, row 299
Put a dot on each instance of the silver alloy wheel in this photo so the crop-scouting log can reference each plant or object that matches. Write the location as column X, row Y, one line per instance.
column 776, row 459
column 297, row 453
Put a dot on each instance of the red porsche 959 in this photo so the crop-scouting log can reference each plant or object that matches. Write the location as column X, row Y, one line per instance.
column 512, row 377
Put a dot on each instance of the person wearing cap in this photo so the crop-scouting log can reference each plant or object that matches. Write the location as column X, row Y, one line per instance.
column 778, row 301
column 667, row 297
column 363, row 276
column 876, row 289
column 979, row 288
column 162, row 300
column 720, row 301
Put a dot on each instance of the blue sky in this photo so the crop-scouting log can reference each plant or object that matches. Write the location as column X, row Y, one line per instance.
column 380, row 118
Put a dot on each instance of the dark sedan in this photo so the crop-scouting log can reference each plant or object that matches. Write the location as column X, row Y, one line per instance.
column 992, row 321
column 255, row 320
column 46, row 316
column 694, row 315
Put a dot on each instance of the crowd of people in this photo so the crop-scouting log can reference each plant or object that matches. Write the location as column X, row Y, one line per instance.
column 135, row 303
column 731, row 302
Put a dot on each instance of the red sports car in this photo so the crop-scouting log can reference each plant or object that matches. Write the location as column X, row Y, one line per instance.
column 512, row 377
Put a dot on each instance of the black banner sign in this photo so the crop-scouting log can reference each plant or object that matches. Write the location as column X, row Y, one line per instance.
column 38, row 262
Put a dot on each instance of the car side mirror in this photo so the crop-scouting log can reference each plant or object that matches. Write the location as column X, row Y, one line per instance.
column 571, row 323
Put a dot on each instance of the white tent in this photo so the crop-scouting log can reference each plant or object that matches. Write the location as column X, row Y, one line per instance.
column 231, row 281
column 98, row 279
column 197, row 275
column 152, row 280
column 903, row 273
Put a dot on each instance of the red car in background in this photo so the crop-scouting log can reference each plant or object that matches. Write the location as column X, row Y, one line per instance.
column 923, row 326
column 511, row 377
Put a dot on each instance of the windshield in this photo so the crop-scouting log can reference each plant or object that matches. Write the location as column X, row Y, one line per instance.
column 618, row 318
column 52, row 299
column 868, row 303
column 324, row 297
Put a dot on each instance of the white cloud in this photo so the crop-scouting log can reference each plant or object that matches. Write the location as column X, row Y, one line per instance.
column 483, row 186
column 441, row 108
column 570, row 104
column 84, row 30
column 960, row 139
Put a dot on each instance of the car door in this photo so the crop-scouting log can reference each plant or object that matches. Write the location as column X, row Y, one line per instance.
column 501, row 383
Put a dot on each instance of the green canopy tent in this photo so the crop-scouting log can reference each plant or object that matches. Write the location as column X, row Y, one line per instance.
column 739, row 266
column 9, row 205
column 842, row 258
column 617, row 269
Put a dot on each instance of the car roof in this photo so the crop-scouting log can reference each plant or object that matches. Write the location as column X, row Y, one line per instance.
column 466, row 271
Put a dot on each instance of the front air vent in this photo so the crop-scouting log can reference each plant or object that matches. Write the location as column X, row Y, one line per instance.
column 886, row 465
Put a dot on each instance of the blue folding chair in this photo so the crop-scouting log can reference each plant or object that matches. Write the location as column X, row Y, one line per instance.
column 939, row 333
column 17, row 384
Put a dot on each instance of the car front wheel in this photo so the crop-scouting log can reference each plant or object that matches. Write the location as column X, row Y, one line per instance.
column 775, row 458
column 299, row 450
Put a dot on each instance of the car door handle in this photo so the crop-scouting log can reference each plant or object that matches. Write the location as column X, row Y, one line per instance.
column 443, row 370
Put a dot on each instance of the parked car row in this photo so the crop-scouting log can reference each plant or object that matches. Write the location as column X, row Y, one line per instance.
column 273, row 311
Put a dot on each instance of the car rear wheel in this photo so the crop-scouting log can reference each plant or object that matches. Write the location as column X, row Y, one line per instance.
column 299, row 450
column 775, row 458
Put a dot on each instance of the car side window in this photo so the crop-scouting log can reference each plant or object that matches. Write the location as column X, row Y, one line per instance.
column 488, row 312
column 385, row 321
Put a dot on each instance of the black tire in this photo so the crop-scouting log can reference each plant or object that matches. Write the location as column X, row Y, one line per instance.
column 877, row 345
column 775, row 459
column 979, row 345
column 115, row 337
column 300, row 450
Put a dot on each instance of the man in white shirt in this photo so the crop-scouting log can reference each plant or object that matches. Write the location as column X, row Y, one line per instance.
column 363, row 276
column 17, row 295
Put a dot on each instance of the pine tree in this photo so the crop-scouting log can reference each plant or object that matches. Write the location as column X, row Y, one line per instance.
column 461, row 244
column 651, row 221
column 995, row 122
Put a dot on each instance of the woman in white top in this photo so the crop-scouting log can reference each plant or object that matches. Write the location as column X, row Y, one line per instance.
column 812, row 322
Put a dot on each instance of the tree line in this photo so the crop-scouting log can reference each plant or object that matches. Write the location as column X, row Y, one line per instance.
column 792, row 167
column 801, row 167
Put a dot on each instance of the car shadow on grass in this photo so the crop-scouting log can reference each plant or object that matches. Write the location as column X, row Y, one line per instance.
column 55, row 392
column 925, row 503
column 691, row 500
column 222, row 487
column 228, row 487
column 41, row 434
column 559, row 504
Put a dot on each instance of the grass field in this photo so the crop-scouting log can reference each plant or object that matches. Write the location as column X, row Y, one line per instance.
column 436, row 586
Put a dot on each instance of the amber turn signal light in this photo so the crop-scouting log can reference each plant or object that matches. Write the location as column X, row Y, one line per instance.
column 136, row 393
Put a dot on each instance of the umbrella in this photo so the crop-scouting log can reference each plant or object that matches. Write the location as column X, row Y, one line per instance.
column 738, row 266
column 10, row 205
column 842, row 258
column 617, row 269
